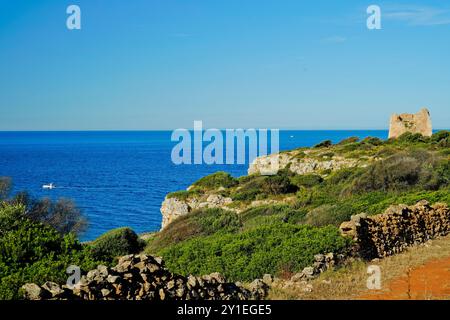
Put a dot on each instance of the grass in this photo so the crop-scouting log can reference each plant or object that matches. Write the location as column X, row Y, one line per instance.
column 275, row 248
column 199, row 223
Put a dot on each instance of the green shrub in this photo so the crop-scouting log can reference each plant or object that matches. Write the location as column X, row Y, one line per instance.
column 115, row 243
column 435, row 175
column 444, row 143
column 440, row 136
column 350, row 147
column 307, row 180
column 183, row 194
column 399, row 172
column 265, row 210
column 259, row 187
column 267, row 214
column 411, row 138
column 278, row 184
column 215, row 220
column 372, row 141
column 327, row 214
column 249, row 188
column 324, row 144
column 216, row 180
column 348, row 140
column 249, row 255
column 34, row 252
column 343, row 176
column 10, row 216
column 248, row 195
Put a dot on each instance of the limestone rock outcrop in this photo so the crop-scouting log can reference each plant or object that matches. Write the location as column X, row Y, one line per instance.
column 306, row 165
column 414, row 123
column 144, row 277
column 172, row 207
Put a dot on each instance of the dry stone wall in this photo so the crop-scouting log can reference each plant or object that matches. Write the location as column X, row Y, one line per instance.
column 143, row 277
column 399, row 227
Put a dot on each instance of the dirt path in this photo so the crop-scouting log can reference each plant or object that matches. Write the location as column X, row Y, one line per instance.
column 429, row 281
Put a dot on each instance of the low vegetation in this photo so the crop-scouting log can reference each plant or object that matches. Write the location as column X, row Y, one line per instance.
column 274, row 248
column 34, row 252
column 302, row 212
column 116, row 243
column 275, row 224
column 38, row 243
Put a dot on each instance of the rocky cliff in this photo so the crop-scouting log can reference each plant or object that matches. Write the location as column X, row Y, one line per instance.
column 172, row 207
column 304, row 165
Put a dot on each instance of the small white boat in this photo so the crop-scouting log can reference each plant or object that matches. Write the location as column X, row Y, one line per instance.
column 48, row 186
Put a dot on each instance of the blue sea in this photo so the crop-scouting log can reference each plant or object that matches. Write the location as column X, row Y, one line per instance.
column 118, row 178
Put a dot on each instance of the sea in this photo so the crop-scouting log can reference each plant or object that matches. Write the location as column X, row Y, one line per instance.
column 120, row 178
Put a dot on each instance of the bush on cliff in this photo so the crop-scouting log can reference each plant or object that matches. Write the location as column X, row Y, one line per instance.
column 184, row 194
column 306, row 180
column 401, row 172
column 324, row 144
column 259, row 187
column 348, row 141
column 115, row 243
column 216, row 180
column 268, row 214
column 278, row 184
column 328, row 214
column 276, row 248
column 409, row 138
column 440, row 136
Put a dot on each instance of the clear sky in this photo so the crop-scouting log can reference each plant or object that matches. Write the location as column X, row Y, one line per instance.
column 161, row 64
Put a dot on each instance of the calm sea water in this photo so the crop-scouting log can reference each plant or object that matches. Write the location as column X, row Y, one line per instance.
column 118, row 178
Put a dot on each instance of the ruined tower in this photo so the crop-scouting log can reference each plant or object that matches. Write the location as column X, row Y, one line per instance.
column 414, row 123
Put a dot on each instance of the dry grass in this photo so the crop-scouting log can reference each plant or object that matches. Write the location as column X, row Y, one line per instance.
column 349, row 282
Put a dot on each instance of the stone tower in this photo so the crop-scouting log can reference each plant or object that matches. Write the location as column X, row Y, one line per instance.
column 414, row 123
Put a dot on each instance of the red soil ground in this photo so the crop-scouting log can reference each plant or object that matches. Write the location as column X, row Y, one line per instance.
column 430, row 281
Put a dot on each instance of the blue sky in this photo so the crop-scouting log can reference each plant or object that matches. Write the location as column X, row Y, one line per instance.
column 161, row 64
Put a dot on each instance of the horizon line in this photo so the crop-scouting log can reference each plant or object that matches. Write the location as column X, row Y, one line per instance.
column 191, row 129
column 204, row 129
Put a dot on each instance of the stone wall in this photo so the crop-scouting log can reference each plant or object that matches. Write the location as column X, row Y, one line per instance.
column 143, row 277
column 414, row 123
column 399, row 227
